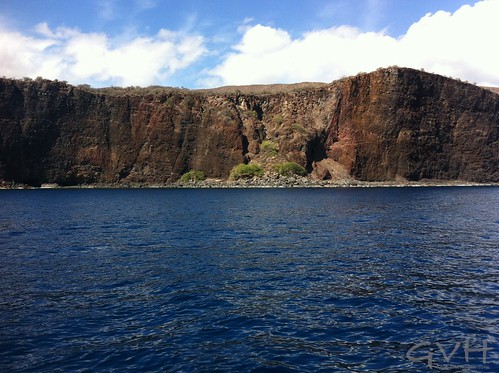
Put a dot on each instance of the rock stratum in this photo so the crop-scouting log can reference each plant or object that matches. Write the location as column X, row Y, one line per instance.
column 394, row 124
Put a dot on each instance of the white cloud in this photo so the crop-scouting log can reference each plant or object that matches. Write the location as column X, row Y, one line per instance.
column 461, row 45
column 69, row 54
column 268, row 55
column 260, row 40
column 19, row 54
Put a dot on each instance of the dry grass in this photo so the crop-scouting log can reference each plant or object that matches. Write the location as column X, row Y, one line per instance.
column 493, row 89
column 264, row 88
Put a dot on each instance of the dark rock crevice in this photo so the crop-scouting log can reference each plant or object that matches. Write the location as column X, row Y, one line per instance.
column 315, row 150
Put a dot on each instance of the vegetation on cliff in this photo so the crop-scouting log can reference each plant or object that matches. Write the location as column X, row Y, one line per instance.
column 246, row 171
column 289, row 169
column 193, row 175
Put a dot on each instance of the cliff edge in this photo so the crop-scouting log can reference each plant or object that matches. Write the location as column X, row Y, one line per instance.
column 391, row 124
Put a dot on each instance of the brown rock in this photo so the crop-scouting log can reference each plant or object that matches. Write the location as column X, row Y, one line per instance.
column 392, row 124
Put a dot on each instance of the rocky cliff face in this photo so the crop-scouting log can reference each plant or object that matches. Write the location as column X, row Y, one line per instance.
column 392, row 124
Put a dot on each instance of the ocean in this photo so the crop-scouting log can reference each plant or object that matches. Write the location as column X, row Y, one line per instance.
column 250, row 280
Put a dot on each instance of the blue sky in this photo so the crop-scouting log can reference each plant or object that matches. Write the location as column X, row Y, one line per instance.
column 207, row 43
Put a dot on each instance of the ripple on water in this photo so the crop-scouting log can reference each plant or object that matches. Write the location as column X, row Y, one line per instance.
column 246, row 280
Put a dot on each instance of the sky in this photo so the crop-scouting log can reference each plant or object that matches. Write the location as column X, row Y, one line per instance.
column 211, row 43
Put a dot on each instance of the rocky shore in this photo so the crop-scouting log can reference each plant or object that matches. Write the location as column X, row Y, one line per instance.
column 265, row 182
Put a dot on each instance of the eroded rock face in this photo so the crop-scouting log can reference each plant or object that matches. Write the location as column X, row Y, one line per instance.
column 392, row 124
column 58, row 133
column 405, row 123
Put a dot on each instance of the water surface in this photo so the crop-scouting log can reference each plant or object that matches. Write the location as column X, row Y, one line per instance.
column 248, row 279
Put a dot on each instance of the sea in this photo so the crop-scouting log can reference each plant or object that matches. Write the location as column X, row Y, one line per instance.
column 250, row 280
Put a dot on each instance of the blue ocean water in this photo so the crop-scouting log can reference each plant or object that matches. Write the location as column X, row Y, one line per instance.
column 241, row 280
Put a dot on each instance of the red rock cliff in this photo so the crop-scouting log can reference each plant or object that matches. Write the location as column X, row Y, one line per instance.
column 390, row 124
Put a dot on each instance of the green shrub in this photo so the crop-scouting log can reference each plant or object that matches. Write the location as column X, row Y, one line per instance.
column 299, row 128
column 278, row 119
column 268, row 148
column 289, row 169
column 193, row 175
column 246, row 171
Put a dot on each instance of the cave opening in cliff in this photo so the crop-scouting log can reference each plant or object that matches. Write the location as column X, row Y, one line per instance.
column 316, row 151
column 245, row 143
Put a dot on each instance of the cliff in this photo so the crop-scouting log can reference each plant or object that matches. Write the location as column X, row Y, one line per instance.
column 392, row 124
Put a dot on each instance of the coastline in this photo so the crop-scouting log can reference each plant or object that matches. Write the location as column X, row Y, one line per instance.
column 257, row 183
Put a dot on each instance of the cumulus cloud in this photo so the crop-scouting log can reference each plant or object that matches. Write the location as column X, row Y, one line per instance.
column 79, row 57
column 461, row 45
column 268, row 55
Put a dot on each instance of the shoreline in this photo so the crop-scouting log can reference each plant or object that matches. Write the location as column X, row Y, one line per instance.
column 283, row 183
